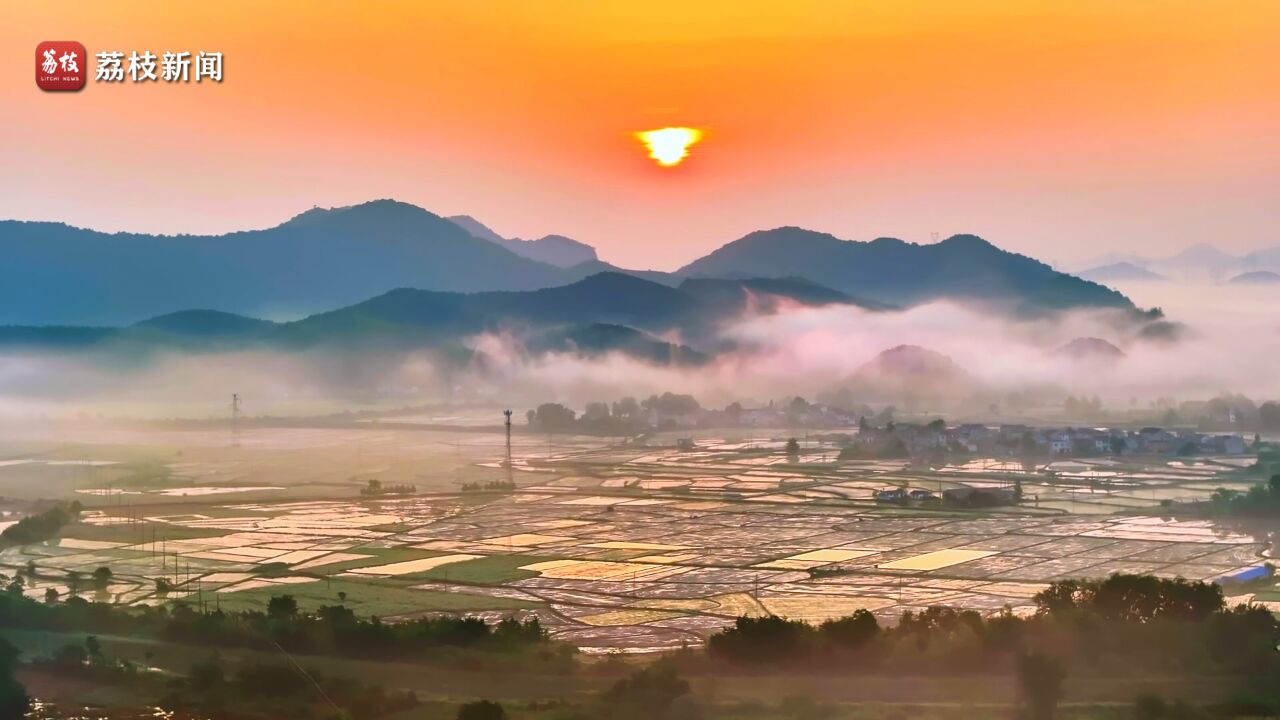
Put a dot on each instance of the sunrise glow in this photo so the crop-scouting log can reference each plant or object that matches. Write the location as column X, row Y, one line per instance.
column 669, row 146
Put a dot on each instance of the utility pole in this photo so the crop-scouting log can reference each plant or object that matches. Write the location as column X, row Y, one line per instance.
column 510, row 479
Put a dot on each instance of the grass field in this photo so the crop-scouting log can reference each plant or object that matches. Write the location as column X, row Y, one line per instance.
column 366, row 597
column 491, row 570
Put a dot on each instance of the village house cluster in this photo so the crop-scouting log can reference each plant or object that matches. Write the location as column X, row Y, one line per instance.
column 1023, row 440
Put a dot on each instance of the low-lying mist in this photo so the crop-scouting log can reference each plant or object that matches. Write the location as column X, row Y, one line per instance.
column 1230, row 341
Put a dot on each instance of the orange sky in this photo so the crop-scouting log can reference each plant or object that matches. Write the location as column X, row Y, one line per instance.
column 1058, row 129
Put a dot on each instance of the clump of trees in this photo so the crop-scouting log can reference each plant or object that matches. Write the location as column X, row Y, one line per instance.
column 1259, row 500
column 374, row 488
column 770, row 639
column 491, row 486
column 40, row 527
column 653, row 692
column 1124, row 624
column 274, row 690
column 624, row 417
column 1040, row 679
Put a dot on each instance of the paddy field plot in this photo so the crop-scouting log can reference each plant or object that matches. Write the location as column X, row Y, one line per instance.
column 936, row 560
column 410, row 567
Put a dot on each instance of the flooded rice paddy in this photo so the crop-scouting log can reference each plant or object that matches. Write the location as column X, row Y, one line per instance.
column 612, row 547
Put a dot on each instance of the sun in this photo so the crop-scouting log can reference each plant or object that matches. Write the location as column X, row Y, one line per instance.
column 670, row 145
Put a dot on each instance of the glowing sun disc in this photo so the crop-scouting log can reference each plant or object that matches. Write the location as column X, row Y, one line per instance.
column 669, row 145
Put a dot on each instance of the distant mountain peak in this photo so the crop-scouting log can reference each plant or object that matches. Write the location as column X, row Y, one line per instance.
column 912, row 371
column 886, row 270
column 205, row 323
column 1256, row 277
column 1120, row 272
column 555, row 250
column 1090, row 349
column 372, row 210
column 476, row 228
column 968, row 240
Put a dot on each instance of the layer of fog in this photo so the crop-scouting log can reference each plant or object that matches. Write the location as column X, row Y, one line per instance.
column 1232, row 341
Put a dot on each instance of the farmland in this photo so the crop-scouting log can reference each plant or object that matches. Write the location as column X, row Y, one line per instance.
column 612, row 546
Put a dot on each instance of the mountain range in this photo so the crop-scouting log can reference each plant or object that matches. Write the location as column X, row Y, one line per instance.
column 1197, row 263
column 322, row 259
column 602, row 313
column 901, row 273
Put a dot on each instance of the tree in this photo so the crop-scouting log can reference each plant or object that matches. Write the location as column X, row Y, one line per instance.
column 627, row 408
column 850, row 632
column 101, row 578
column 282, row 607
column 70, row 657
column 646, row 693
column 51, row 596
column 937, row 425
column 762, row 640
column 14, row 702
column 893, row 449
column 93, row 648
column 553, row 417
column 793, row 449
column 1269, row 415
column 481, row 710
column 1039, row 686
column 596, row 412
column 671, row 404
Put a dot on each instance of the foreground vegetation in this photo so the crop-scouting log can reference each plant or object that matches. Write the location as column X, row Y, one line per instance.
column 1126, row 626
column 332, row 630
column 1123, row 625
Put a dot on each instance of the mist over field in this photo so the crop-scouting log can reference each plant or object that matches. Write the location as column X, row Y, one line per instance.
column 1225, row 340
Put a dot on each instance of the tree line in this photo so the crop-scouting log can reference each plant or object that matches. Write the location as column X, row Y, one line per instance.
column 331, row 630
column 1125, row 625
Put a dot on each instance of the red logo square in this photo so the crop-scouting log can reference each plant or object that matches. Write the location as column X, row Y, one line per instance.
column 61, row 65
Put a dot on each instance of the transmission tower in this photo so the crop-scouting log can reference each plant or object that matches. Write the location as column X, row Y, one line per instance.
column 510, row 480
column 235, row 420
